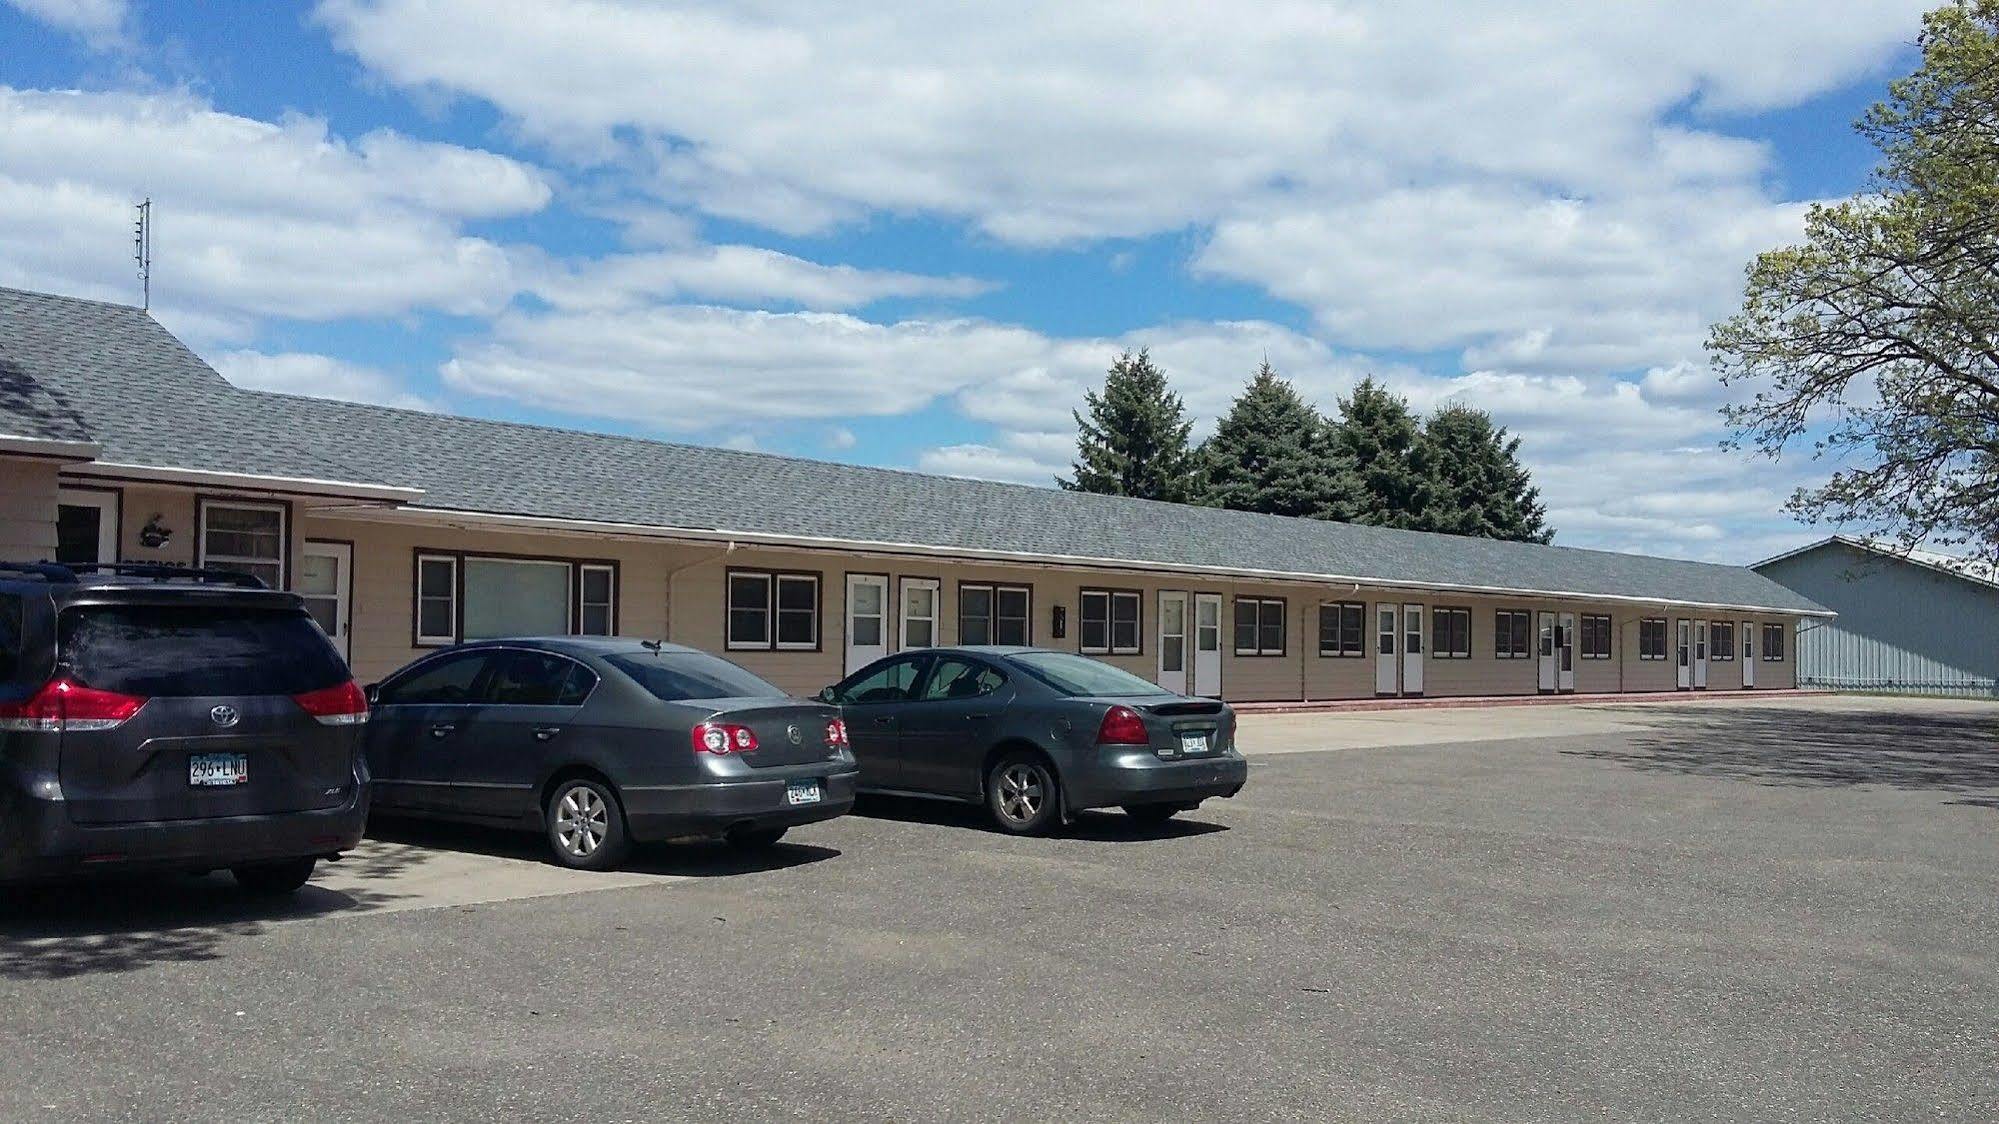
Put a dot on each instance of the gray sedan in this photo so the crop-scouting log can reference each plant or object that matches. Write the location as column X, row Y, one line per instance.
column 600, row 743
column 1035, row 735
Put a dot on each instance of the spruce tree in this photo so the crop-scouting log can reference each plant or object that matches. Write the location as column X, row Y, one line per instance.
column 1477, row 484
column 1134, row 441
column 1380, row 437
column 1272, row 453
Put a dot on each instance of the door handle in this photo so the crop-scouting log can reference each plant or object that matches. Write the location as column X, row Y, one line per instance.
column 979, row 717
column 884, row 719
column 443, row 729
column 546, row 732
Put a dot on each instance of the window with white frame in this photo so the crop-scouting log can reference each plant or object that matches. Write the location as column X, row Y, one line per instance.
column 484, row 597
column 768, row 610
column 919, row 613
column 1652, row 638
column 1342, row 628
column 1596, row 636
column 1259, row 626
column 1511, row 634
column 1721, row 641
column 993, row 614
column 246, row 537
column 1109, row 622
column 1450, row 634
column 1773, row 643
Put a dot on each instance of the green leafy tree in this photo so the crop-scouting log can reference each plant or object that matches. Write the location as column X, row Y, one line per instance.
column 1477, row 484
column 1379, row 436
column 1134, row 441
column 1875, row 341
column 1272, row 453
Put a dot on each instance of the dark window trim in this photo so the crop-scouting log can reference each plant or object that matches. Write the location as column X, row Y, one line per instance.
column 1439, row 613
column 457, row 558
column 203, row 500
column 992, row 621
column 1783, row 636
column 117, row 495
column 770, row 642
column 1505, row 635
column 1283, row 633
column 1110, row 595
column 1665, row 639
column 1609, row 649
column 1717, row 652
column 1339, row 650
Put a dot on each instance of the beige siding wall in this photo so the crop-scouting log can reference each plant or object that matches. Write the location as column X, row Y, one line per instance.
column 27, row 510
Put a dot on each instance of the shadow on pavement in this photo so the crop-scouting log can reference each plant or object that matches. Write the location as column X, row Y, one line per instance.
column 1956, row 754
column 683, row 860
column 1095, row 827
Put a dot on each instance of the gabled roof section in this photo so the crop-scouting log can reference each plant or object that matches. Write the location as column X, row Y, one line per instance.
column 151, row 401
column 1971, row 570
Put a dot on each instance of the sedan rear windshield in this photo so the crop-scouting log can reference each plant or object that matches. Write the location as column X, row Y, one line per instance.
column 679, row 676
column 180, row 650
column 1079, row 676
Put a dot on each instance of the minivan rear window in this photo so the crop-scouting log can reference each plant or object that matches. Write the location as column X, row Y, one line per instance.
column 187, row 650
column 679, row 676
column 10, row 637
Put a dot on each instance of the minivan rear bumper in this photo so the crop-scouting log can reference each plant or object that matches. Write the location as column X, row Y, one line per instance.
column 39, row 841
column 659, row 812
column 1142, row 777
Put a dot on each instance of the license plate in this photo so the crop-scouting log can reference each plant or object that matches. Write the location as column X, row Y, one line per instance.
column 218, row 770
column 803, row 793
column 1193, row 743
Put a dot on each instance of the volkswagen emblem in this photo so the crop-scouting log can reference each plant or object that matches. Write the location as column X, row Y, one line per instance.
column 224, row 716
column 797, row 737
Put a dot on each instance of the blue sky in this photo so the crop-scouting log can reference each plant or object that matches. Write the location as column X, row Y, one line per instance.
column 915, row 240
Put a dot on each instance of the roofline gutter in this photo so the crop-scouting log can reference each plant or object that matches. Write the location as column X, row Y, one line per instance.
column 49, row 448
column 288, row 485
column 814, row 542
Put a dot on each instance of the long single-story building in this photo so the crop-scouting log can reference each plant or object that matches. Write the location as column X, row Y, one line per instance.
column 1910, row 622
column 408, row 530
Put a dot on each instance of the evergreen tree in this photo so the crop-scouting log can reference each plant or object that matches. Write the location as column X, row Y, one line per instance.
column 1477, row 484
column 1272, row 453
column 1134, row 442
column 1379, row 436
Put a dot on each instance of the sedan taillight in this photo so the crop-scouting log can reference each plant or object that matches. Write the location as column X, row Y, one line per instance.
column 64, row 704
column 342, row 704
column 836, row 732
column 1123, row 726
column 722, row 738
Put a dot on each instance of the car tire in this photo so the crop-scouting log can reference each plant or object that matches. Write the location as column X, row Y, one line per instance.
column 1152, row 815
column 270, row 880
column 586, row 825
column 754, row 838
column 1023, row 795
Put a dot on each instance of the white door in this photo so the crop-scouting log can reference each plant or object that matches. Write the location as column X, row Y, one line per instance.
column 1547, row 679
column 919, row 613
column 1748, row 656
column 325, row 581
column 1384, row 649
column 1173, row 642
column 86, row 526
column 1412, row 649
column 1565, row 653
column 1700, row 655
column 1684, row 653
column 1208, row 645
column 867, row 619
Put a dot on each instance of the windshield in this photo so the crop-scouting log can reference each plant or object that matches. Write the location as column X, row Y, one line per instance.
column 679, row 676
column 185, row 651
column 1078, row 675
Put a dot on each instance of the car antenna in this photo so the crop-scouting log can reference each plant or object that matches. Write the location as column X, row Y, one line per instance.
column 651, row 645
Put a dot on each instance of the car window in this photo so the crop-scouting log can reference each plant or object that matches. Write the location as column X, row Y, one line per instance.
column 679, row 676
column 1081, row 676
column 953, row 678
column 10, row 637
column 443, row 680
column 887, row 683
column 523, row 678
column 196, row 650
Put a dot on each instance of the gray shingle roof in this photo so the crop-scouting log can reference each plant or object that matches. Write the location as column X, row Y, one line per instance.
column 134, row 388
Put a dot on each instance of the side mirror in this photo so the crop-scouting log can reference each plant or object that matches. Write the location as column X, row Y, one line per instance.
column 826, row 695
column 373, row 693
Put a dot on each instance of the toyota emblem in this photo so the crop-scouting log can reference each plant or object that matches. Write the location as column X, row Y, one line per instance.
column 792, row 732
column 224, row 716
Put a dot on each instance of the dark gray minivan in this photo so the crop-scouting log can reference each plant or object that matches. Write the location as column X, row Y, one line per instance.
column 156, row 717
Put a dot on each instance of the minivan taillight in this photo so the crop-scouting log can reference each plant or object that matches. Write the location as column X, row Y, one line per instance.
column 723, row 738
column 342, row 704
column 1123, row 726
column 63, row 704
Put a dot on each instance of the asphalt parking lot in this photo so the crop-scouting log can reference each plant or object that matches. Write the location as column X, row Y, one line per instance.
column 1723, row 910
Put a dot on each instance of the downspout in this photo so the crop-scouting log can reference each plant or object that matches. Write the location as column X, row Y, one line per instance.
column 684, row 567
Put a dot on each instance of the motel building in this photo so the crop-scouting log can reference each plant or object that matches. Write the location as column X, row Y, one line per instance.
column 408, row 531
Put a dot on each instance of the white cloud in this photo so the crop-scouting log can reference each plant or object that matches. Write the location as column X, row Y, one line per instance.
column 316, row 376
column 841, row 438
column 251, row 218
column 734, row 274
column 101, row 23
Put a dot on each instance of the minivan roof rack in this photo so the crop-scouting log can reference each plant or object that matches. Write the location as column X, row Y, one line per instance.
column 68, row 571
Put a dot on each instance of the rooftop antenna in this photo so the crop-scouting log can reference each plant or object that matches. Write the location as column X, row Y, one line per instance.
column 142, row 252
